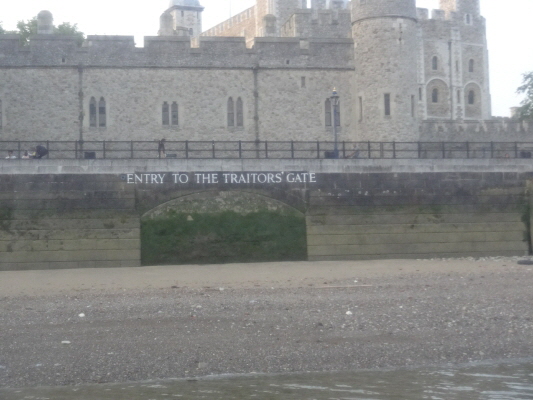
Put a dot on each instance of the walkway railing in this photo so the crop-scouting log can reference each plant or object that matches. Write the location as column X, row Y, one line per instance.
column 270, row 149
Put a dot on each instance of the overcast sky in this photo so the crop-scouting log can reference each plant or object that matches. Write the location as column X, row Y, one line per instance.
column 510, row 30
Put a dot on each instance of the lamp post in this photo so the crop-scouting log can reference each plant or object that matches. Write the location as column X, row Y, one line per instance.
column 335, row 104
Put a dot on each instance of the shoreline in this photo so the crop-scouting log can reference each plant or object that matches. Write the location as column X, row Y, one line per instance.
column 267, row 318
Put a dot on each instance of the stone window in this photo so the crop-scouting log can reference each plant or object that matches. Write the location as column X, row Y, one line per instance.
column 435, row 63
column 386, row 100
column 240, row 113
column 435, row 95
column 458, row 97
column 92, row 113
column 327, row 110
column 165, row 114
column 420, row 94
column 360, row 109
column 174, row 114
column 231, row 113
column 102, row 115
column 471, row 65
column 468, row 19
column 303, row 81
column 471, row 97
column 387, row 104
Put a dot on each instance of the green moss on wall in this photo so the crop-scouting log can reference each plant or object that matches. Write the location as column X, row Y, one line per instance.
column 224, row 237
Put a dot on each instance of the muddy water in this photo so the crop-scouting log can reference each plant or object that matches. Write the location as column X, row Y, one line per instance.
column 498, row 381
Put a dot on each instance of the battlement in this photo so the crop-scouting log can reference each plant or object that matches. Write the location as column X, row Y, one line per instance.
column 175, row 51
column 308, row 23
column 493, row 130
column 235, row 20
column 423, row 14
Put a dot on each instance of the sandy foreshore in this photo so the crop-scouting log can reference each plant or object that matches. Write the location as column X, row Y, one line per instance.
column 68, row 327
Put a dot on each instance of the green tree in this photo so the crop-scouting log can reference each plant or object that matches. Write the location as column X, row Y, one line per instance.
column 2, row 30
column 526, row 109
column 28, row 28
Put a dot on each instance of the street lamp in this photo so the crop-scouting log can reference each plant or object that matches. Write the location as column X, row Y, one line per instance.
column 335, row 104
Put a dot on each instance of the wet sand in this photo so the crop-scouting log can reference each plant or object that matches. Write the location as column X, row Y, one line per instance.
column 66, row 327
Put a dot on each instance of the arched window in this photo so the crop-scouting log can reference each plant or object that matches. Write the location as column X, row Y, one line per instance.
column 165, row 113
column 174, row 114
column 231, row 112
column 240, row 113
column 471, row 97
column 92, row 113
column 327, row 110
column 102, row 118
column 435, row 63
column 471, row 66
column 435, row 95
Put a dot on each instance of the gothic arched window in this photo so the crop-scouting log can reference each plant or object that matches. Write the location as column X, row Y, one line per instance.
column 165, row 113
column 435, row 63
column 435, row 95
column 240, row 113
column 327, row 109
column 102, row 117
column 174, row 114
column 92, row 113
column 231, row 112
column 471, row 97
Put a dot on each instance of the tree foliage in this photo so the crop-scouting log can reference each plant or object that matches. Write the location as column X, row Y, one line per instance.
column 2, row 30
column 29, row 28
column 526, row 109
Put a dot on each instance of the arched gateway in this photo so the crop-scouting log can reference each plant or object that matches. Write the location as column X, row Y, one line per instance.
column 221, row 226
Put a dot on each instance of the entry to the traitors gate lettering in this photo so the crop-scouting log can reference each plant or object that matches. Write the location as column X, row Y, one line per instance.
column 203, row 178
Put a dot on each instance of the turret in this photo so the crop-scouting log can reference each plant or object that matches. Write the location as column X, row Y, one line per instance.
column 386, row 50
column 45, row 23
column 187, row 16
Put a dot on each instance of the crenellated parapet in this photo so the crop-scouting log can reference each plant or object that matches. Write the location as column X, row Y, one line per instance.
column 308, row 23
column 492, row 130
column 175, row 51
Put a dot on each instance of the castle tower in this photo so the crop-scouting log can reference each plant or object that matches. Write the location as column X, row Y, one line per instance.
column 187, row 16
column 386, row 91
column 461, row 6
column 277, row 12
column 45, row 23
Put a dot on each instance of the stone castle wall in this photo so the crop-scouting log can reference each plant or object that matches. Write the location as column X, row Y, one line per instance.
column 291, row 83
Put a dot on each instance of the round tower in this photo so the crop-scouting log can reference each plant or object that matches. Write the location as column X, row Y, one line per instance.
column 386, row 90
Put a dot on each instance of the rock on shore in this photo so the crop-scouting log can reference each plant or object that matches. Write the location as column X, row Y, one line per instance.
column 167, row 322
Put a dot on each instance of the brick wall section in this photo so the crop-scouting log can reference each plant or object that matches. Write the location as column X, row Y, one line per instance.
column 410, row 215
column 67, row 221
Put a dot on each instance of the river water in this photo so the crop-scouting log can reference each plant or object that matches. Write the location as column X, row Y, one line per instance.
column 509, row 381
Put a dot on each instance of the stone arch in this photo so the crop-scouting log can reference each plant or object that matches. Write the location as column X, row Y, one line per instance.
column 219, row 226
column 438, row 99
column 473, row 101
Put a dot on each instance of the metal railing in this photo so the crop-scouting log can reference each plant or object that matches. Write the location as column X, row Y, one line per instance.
column 270, row 149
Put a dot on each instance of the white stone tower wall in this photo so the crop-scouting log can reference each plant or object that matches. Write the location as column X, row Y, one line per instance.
column 189, row 19
column 386, row 52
